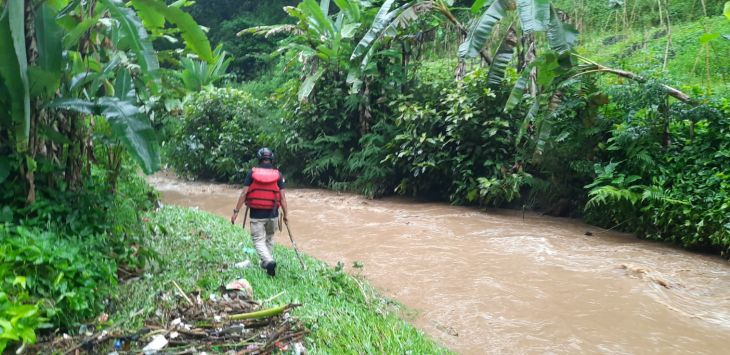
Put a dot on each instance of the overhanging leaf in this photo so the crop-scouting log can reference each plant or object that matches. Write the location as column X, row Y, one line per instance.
column 49, row 36
column 151, row 18
column 139, row 39
column 191, row 32
column 480, row 31
column 316, row 17
column 381, row 20
column 134, row 129
column 561, row 36
column 501, row 59
column 14, row 69
column 350, row 8
column 534, row 14
column 308, row 85
column 77, row 105
column 518, row 91
column 123, row 85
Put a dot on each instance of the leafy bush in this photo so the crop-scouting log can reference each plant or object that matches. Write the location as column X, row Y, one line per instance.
column 675, row 190
column 221, row 130
column 61, row 256
column 454, row 142
column 18, row 320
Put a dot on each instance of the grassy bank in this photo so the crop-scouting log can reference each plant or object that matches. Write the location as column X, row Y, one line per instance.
column 697, row 54
column 198, row 251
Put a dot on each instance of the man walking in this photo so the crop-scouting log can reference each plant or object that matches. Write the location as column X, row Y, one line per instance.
column 263, row 193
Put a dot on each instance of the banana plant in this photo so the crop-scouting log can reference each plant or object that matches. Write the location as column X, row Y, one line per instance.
column 66, row 63
column 198, row 73
column 320, row 41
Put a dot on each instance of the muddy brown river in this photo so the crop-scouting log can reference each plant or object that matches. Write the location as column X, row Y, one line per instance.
column 491, row 282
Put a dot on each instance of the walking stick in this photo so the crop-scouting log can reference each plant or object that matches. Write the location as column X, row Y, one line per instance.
column 295, row 245
column 245, row 216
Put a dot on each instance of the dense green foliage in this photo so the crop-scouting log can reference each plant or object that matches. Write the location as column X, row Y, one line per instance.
column 697, row 54
column 618, row 15
column 343, row 313
column 78, row 85
column 390, row 118
column 677, row 191
column 218, row 134
column 62, row 255
column 475, row 102
column 251, row 56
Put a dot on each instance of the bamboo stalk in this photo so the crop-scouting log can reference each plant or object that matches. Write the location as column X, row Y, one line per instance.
column 260, row 314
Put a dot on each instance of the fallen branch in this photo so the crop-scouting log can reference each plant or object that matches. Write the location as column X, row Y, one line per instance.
column 599, row 68
column 263, row 313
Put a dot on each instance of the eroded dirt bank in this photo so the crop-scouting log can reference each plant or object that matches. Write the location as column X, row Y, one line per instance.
column 491, row 282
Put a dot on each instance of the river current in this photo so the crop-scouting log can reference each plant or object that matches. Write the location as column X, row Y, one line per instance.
column 498, row 282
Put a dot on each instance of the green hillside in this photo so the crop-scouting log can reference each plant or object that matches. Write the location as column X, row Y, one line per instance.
column 697, row 53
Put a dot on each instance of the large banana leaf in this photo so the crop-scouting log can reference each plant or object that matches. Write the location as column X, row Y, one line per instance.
column 193, row 35
column 501, row 59
column 481, row 30
column 49, row 36
column 561, row 36
column 14, row 69
column 351, row 8
column 381, row 20
column 128, row 125
column 82, row 106
column 45, row 78
column 123, row 85
column 152, row 19
column 308, row 85
column 317, row 18
column 134, row 129
column 534, row 14
column 518, row 91
column 132, row 27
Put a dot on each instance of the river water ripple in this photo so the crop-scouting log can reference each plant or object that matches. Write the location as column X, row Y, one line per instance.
column 495, row 283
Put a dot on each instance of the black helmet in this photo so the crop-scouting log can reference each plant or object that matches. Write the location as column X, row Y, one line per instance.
column 265, row 154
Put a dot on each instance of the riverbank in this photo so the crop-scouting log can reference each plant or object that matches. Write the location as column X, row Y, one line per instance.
column 495, row 282
column 200, row 251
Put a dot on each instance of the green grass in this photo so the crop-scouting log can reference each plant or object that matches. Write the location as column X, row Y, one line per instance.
column 643, row 52
column 344, row 314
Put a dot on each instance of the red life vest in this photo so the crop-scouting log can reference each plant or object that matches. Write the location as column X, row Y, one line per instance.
column 263, row 193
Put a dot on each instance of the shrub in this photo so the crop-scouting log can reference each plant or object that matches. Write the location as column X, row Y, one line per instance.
column 61, row 257
column 676, row 192
column 221, row 130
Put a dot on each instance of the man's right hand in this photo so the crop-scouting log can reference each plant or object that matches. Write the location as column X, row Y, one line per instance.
column 233, row 218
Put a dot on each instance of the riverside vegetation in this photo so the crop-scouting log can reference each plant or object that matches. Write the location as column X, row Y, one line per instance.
column 499, row 103
column 84, row 93
column 613, row 111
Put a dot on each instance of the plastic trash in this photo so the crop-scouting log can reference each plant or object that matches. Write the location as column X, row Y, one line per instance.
column 241, row 285
column 158, row 343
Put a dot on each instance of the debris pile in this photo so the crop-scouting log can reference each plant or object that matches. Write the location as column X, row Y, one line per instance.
column 228, row 322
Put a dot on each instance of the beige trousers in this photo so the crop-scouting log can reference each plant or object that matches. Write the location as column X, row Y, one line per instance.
column 262, row 233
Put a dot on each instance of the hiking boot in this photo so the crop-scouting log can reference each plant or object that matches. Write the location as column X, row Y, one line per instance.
column 271, row 268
